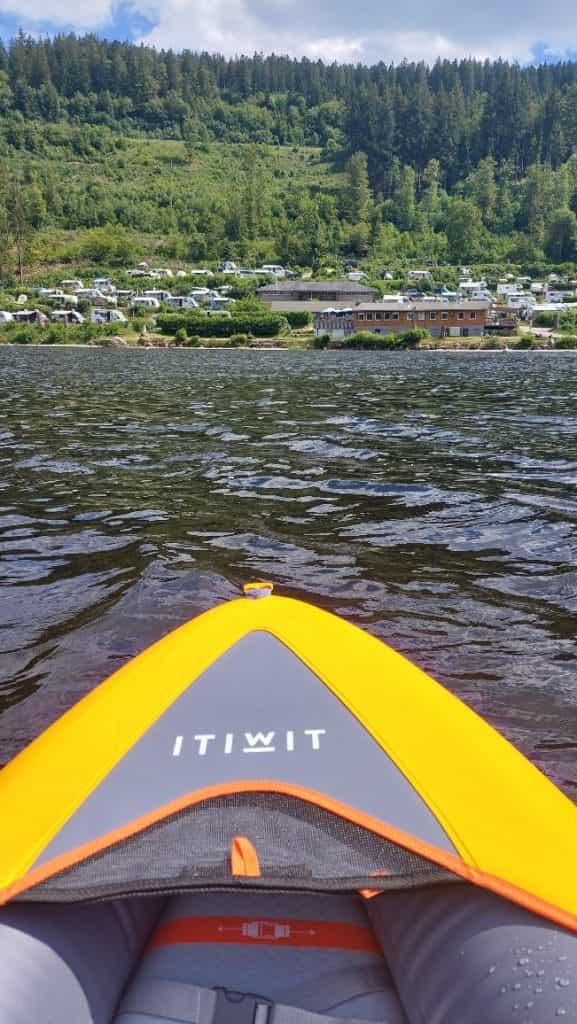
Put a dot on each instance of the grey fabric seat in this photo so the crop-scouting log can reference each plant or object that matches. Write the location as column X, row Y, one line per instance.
column 315, row 979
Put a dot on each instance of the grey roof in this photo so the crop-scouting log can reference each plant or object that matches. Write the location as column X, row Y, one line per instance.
column 300, row 306
column 349, row 287
column 434, row 305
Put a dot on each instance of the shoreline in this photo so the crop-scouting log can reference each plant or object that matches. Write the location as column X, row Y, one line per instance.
column 282, row 348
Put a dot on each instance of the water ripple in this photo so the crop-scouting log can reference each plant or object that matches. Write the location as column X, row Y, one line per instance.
column 429, row 497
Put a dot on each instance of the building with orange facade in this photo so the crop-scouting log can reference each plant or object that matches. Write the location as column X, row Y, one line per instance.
column 460, row 319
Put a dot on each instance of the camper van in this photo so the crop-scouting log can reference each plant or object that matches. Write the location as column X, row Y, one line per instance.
column 107, row 316
column 67, row 316
column 147, row 301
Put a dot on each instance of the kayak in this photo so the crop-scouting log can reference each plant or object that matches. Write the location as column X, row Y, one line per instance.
column 271, row 817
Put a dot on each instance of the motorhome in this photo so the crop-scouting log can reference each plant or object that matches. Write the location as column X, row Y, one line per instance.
column 182, row 302
column 104, row 284
column 147, row 301
column 67, row 316
column 107, row 316
column 273, row 268
column 157, row 293
column 30, row 316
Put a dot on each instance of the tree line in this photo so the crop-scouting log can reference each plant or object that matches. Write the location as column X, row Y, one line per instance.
column 459, row 160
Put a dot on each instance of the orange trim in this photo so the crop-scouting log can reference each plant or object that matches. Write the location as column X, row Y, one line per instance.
column 254, row 931
column 369, row 894
column 243, row 858
column 432, row 853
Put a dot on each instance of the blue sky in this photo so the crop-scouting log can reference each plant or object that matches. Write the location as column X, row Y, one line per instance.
column 368, row 30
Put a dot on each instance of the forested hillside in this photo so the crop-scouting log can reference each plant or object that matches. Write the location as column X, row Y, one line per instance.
column 109, row 146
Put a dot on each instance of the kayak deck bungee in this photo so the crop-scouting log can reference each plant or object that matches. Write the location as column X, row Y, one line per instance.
column 268, row 752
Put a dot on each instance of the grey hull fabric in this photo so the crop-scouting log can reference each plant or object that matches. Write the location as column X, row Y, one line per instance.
column 460, row 955
column 167, row 1001
column 69, row 965
column 340, row 983
column 257, row 713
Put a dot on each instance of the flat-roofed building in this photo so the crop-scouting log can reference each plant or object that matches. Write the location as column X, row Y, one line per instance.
column 336, row 322
column 345, row 292
column 441, row 319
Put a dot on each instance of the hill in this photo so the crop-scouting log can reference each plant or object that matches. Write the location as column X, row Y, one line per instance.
column 110, row 150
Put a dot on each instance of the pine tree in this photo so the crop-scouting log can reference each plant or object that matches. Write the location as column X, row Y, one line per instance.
column 357, row 194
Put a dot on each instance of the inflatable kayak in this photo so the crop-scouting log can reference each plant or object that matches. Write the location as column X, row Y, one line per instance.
column 270, row 817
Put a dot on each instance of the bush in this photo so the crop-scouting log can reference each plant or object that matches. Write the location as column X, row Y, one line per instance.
column 526, row 341
column 569, row 341
column 238, row 339
column 322, row 341
column 267, row 325
column 298, row 318
column 545, row 319
column 366, row 340
column 181, row 336
column 413, row 336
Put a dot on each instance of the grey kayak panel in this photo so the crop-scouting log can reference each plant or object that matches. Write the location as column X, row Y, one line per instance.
column 69, row 965
column 461, row 955
column 257, row 713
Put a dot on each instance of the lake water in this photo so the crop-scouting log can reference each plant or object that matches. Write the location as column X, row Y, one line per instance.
column 429, row 497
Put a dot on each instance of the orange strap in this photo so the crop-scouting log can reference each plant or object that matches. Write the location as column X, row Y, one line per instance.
column 243, row 858
column 255, row 931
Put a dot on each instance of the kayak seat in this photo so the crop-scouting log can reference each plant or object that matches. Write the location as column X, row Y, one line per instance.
column 267, row 958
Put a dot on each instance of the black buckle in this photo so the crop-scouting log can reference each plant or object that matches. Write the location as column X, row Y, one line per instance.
column 240, row 1008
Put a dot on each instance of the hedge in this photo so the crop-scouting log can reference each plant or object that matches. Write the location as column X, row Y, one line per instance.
column 268, row 325
column 298, row 318
column 366, row 340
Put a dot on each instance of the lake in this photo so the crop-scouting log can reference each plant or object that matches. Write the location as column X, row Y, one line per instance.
column 429, row 497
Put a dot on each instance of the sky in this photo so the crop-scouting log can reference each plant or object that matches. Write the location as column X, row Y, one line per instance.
column 366, row 30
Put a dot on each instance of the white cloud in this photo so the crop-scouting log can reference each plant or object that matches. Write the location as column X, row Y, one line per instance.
column 60, row 12
column 367, row 30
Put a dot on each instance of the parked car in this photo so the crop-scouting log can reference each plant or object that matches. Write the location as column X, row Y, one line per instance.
column 5, row 317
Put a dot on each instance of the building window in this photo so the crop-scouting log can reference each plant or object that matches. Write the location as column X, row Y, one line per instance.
column 460, row 316
column 394, row 316
column 409, row 315
column 386, row 316
column 444, row 316
column 432, row 316
column 420, row 316
column 361, row 316
column 370, row 316
column 473, row 316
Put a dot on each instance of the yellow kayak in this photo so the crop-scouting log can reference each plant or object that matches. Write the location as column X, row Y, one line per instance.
column 272, row 780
